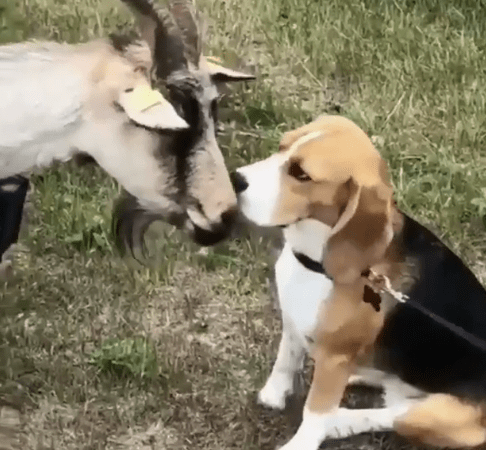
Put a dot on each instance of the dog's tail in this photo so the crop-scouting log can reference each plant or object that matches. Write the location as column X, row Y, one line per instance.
column 444, row 421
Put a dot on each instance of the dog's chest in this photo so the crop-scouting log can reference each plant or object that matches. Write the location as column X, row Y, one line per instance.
column 301, row 293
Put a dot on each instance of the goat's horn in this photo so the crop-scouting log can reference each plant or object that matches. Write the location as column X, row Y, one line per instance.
column 144, row 7
column 162, row 34
column 186, row 18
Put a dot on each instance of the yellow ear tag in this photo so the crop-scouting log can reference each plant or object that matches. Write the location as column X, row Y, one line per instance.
column 144, row 97
column 212, row 65
column 214, row 60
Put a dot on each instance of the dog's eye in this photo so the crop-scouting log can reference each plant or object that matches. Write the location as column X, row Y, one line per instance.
column 296, row 172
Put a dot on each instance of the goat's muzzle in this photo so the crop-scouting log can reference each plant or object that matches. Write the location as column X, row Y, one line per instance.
column 217, row 232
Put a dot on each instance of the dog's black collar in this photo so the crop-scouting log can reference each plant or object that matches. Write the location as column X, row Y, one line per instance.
column 285, row 225
column 310, row 264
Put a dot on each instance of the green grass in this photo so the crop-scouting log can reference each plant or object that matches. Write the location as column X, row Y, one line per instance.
column 101, row 353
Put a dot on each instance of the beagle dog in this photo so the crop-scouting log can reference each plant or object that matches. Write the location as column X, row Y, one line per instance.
column 329, row 190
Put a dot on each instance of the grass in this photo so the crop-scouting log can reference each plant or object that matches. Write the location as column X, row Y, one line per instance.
column 100, row 353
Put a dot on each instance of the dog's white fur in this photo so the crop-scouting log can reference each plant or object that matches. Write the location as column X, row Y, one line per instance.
column 259, row 201
column 300, row 293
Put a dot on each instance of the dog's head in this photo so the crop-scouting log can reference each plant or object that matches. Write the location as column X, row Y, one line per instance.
column 329, row 171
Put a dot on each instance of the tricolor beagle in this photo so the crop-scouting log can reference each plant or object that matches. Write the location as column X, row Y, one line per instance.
column 328, row 187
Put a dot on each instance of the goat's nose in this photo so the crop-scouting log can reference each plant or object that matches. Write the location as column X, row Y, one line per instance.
column 228, row 218
column 239, row 182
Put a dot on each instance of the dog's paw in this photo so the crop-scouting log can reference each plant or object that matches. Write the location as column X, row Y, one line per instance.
column 299, row 443
column 273, row 395
column 356, row 379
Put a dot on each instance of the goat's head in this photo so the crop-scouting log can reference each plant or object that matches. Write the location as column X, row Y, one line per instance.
column 192, row 189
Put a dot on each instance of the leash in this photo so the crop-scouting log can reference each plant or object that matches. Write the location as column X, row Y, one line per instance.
column 380, row 284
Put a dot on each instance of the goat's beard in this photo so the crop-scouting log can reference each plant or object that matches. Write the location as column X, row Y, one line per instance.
column 131, row 221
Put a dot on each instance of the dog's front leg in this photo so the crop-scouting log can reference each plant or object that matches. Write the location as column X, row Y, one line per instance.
column 331, row 373
column 289, row 360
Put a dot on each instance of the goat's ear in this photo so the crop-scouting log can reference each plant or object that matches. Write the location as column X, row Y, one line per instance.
column 220, row 74
column 362, row 233
column 149, row 108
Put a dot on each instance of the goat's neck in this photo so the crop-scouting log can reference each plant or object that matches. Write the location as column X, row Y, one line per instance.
column 62, row 124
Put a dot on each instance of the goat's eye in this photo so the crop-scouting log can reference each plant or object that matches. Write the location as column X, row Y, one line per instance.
column 214, row 110
column 298, row 173
column 142, row 70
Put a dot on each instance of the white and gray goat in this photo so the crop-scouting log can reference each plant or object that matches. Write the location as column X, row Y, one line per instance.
column 96, row 98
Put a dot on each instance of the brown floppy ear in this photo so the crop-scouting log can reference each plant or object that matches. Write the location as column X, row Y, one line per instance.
column 291, row 136
column 362, row 233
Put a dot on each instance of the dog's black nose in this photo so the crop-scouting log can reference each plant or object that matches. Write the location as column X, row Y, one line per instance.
column 239, row 182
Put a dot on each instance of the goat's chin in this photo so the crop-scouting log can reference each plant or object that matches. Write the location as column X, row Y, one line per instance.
column 207, row 238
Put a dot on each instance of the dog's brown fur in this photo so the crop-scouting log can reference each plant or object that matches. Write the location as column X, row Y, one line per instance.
column 347, row 328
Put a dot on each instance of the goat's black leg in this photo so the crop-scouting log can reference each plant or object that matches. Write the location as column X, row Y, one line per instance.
column 13, row 192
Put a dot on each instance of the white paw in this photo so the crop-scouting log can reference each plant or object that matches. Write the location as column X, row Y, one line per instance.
column 291, row 446
column 356, row 379
column 300, row 443
column 273, row 395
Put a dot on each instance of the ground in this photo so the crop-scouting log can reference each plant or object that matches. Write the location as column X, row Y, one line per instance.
column 97, row 352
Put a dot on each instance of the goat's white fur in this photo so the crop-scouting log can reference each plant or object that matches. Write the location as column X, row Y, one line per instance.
column 52, row 104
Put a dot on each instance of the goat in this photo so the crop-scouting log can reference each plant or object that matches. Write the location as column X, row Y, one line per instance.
column 96, row 98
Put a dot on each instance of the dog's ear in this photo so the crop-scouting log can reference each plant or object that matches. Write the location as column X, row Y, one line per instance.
column 292, row 136
column 362, row 232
